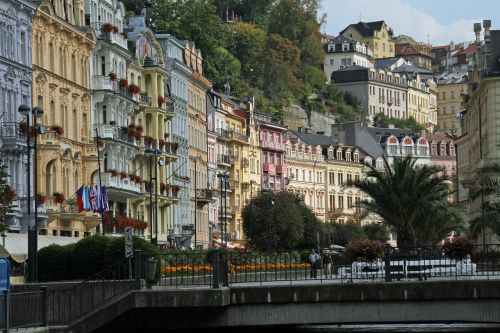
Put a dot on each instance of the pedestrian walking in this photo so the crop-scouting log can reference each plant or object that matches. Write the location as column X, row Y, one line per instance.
column 327, row 262
column 314, row 261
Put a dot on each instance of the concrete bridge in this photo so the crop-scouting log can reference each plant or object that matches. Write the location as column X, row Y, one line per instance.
column 162, row 308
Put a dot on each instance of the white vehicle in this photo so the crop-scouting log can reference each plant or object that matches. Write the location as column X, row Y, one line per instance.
column 402, row 269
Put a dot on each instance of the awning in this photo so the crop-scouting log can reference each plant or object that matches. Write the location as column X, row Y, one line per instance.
column 16, row 245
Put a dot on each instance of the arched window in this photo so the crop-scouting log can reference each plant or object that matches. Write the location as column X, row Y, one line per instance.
column 50, row 178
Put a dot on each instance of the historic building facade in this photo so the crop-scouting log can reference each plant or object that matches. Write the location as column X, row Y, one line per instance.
column 67, row 155
column 375, row 35
column 15, row 90
column 198, row 86
column 178, row 78
column 478, row 143
column 450, row 88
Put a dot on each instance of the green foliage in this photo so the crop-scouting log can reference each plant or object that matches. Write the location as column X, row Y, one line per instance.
column 382, row 121
column 116, row 249
column 343, row 233
column 89, row 256
column 365, row 249
column 288, row 224
column 376, row 231
column 6, row 196
column 54, row 263
column 459, row 249
column 413, row 201
column 488, row 189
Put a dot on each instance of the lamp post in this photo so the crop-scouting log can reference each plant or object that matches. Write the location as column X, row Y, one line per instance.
column 153, row 153
column 25, row 110
column 223, row 176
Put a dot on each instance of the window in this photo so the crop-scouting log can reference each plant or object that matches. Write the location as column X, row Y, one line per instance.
column 349, row 177
column 331, row 62
column 331, row 178
column 340, row 178
column 349, row 201
column 444, row 95
column 332, row 202
column 341, row 201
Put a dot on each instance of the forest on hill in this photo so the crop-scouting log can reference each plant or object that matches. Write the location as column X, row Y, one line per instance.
column 270, row 49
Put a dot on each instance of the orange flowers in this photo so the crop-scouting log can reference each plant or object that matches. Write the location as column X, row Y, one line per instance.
column 186, row 268
column 258, row 267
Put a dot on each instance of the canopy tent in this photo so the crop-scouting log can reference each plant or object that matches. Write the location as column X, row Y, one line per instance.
column 16, row 245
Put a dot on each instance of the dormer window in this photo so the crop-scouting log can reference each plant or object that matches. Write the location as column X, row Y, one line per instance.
column 348, row 156
column 331, row 47
column 339, row 155
column 356, row 157
column 345, row 47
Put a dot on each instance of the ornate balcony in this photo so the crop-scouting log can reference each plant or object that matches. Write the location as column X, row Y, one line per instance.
column 11, row 136
column 111, row 37
column 272, row 145
column 116, row 133
column 223, row 134
column 223, row 159
column 239, row 137
column 204, row 196
column 117, row 183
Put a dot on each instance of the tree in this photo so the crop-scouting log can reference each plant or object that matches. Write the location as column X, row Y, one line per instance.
column 6, row 196
column 487, row 187
column 286, row 224
column 197, row 21
column 343, row 233
column 376, row 231
column 411, row 200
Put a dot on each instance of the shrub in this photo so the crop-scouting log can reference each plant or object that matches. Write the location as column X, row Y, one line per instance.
column 116, row 249
column 89, row 256
column 54, row 263
column 459, row 248
column 365, row 249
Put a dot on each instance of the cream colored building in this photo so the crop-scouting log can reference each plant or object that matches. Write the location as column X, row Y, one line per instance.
column 450, row 87
column 478, row 144
column 67, row 155
column 376, row 35
column 418, row 101
column 198, row 86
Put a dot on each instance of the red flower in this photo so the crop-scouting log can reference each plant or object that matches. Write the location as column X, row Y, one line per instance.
column 40, row 199
column 123, row 83
column 115, row 29
column 58, row 129
column 108, row 27
column 161, row 100
column 113, row 76
column 58, row 197
column 134, row 89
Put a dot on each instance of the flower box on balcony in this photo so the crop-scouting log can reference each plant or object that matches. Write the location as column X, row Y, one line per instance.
column 113, row 76
column 113, row 172
column 100, row 143
column 134, row 89
column 123, row 83
column 131, row 131
column 147, row 184
column 108, row 27
column 139, row 128
column 59, row 197
column 163, row 187
column 23, row 129
column 148, row 140
column 58, row 129
column 112, row 122
column 161, row 143
column 12, row 193
column 40, row 199
column 116, row 29
column 123, row 175
column 137, row 135
column 161, row 100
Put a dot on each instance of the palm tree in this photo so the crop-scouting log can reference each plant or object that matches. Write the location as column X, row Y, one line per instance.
column 411, row 200
column 487, row 187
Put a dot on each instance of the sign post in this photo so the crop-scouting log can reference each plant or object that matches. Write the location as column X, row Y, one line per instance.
column 129, row 249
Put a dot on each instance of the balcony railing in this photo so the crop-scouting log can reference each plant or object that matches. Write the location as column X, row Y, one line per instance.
column 223, row 133
column 11, row 134
column 144, row 98
column 223, row 159
column 112, row 37
column 115, row 132
column 272, row 145
column 117, row 182
column 239, row 136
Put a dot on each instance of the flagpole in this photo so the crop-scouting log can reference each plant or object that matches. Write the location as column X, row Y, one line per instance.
column 100, row 183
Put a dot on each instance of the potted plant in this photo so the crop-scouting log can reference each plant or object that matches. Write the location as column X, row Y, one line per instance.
column 131, row 131
column 40, row 199
column 163, row 187
column 147, row 184
column 138, row 179
column 12, row 193
column 123, row 175
column 58, row 129
column 123, row 83
column 175, row 188
column 115, row 29
column 100, row 143
column 139, row 128
column 134, row 89
column 161, row 143
column 107, row 27
column 148, row 140
column 58, row 197
column 113, row 76
column 161, row 100
column 137, row 135
column 112, row 122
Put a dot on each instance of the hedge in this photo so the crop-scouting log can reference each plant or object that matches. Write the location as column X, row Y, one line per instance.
column 54, row 262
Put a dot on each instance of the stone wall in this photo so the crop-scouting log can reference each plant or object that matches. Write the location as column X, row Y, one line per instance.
column 294, row 117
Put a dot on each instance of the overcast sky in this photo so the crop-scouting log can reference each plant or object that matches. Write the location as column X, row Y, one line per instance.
column 436, row 21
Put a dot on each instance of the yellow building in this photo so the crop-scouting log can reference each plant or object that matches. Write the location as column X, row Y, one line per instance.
column 155, row 152
column 478, row 144
column 198, row 86
column 67, row 155
column 451, row 85
column 376, row 35
column 251, row 178
column 418, row 100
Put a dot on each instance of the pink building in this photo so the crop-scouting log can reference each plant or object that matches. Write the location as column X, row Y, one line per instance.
column 442, row 148
column 272, row 145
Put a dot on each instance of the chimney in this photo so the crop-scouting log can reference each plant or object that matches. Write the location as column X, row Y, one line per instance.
column 477, row 32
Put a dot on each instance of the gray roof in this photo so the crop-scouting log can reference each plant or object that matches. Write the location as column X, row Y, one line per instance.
column 366, row 29
column 315, row 139
column 385, row 62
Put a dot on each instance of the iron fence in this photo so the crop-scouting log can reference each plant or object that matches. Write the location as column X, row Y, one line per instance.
column 22, row 310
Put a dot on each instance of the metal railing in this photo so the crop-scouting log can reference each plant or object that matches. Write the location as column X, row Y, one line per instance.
column 64, row 306
column 22, row 310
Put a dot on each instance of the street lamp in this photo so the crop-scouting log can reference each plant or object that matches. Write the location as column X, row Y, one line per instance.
column 153, row 153
column 37, row 112
column 223, row 176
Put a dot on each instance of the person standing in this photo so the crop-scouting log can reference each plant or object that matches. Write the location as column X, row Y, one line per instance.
column 327, row 261
column 314, row 260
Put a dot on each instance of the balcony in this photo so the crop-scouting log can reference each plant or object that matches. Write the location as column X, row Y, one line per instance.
column 11, row 136
column 270, row 168
column 116, row 133
column 118, row 183
column 169, row 148
column 144, row 99
column 239, row 137
column 223, row 134
column 111, row 37
column 281, row 169
column 223, row 159
column 272, row 145
column 204, row 196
